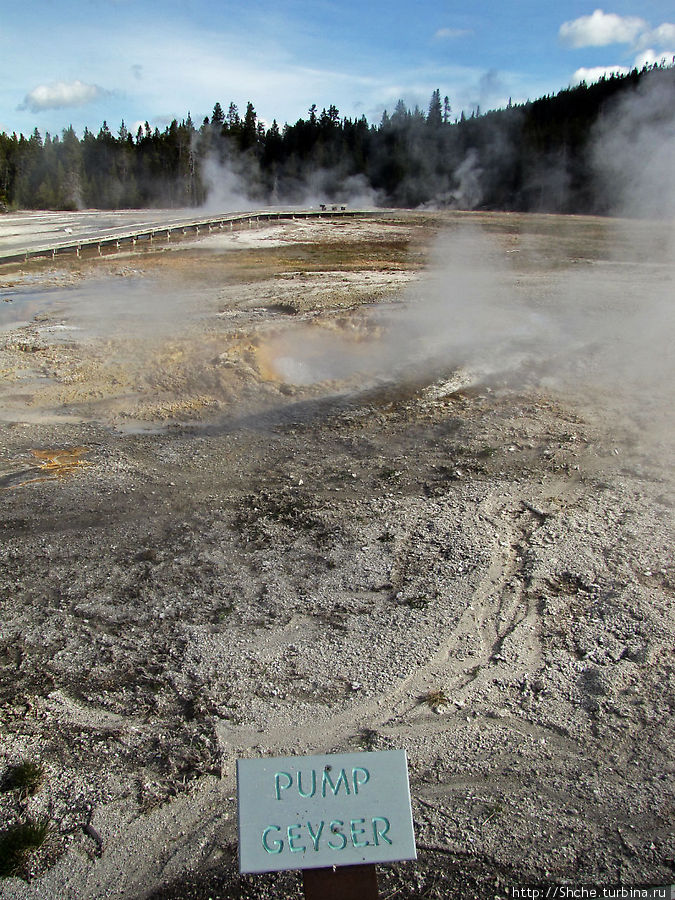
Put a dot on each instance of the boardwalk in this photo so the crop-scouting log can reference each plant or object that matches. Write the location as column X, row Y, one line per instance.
column 31, row 235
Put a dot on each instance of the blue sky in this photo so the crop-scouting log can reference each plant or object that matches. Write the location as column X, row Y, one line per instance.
column 65, row 62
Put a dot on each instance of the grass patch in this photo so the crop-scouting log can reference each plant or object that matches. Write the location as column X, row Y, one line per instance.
column 290, row 509
column 285, row 507
column 494, row 809
column 389, row 474
column 26, row 777
column 18, row 843
column 436, row 700
column 417, row 602
column 284, row 307
column 368, row 738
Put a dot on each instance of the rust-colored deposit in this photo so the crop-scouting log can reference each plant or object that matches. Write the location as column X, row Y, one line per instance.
column 57, row 464
column 61, row 462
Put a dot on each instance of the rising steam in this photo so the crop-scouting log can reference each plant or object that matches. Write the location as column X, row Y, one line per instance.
column 634, row 152
column 228, row 184
column 605, row 329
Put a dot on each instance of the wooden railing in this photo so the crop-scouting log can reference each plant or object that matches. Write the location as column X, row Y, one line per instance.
column 148, row 233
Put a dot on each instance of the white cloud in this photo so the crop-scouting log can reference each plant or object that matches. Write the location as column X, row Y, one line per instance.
column 651, row 57
column 596, row 73
column 281, row 67
column 281, row 84
column 600, row 29
column 449, row 33
column 663, row 36
column 60, row 94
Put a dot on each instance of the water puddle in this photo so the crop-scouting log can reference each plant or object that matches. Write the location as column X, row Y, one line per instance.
column 19, row 306
column 101, row 307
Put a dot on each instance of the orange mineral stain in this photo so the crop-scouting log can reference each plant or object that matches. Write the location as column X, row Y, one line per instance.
column 57, row 463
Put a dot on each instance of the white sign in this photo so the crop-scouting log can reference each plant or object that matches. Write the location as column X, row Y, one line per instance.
column 306, row 812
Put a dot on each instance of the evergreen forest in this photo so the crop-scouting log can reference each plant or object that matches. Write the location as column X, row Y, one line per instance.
column 536, row 156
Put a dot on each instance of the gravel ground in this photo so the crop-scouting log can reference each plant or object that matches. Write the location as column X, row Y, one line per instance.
column 230, row 529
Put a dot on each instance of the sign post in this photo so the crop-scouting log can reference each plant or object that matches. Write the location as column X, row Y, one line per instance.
column 333, row 816
column 346, row 883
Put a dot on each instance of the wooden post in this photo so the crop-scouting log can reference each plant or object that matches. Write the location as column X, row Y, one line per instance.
column 341, row 883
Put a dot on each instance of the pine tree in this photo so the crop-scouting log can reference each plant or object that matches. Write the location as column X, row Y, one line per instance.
column 401, row 113
column 435, row 116
column 249, row 131
column 217, row 117
column 233, row 116
column 447, row 110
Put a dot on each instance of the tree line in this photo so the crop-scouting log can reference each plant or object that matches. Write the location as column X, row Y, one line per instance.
column 531, row 156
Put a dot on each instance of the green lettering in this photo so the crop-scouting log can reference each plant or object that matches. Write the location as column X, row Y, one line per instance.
column 278, row 786
column 355, row 831
column 300, row 790
column 355, row 777
column 342, row 779
column 335, row 828
column 315, row 837
column 278, row 845
column 294, row 837
column 380, row 834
